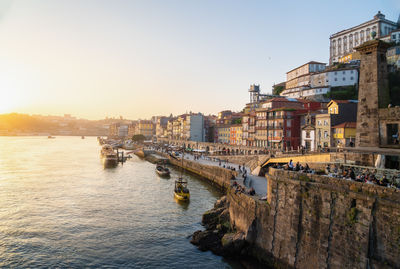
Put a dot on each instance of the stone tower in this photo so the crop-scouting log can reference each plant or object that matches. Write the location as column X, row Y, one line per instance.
column 373, row 91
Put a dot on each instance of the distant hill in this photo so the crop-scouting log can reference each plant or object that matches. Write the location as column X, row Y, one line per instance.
column 23, row 122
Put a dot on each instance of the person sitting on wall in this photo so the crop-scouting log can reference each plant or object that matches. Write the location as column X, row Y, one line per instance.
column 383, row 182
column 352, row 174
column 290, row 165
column 328, row 169
column 252, row 191
column 297, row 168
column 307, row 168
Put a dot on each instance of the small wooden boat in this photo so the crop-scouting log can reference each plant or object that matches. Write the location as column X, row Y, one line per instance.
column 82, row 137
column 51, row 137
column 162, row 171
column 181, row 191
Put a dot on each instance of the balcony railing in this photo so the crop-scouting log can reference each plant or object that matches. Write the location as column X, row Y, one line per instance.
column 261, row 127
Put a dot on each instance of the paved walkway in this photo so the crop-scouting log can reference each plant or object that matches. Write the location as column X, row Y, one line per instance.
column 258, row 183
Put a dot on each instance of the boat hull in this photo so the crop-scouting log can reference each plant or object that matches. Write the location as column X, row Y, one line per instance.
column 182, row 196
column 109, row 162
column 162, row 173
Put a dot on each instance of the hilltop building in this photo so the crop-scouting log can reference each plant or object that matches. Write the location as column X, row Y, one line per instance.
column 256, row 97
column 342, row 44
column 298, row 80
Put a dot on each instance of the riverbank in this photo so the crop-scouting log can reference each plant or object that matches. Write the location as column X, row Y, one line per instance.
column 306, row 221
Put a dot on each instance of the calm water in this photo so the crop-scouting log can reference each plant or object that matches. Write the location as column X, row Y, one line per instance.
column 60, row 208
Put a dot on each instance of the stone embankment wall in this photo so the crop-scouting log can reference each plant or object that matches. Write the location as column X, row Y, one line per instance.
column 311, row 221
column 251, row 161
column 216, row 175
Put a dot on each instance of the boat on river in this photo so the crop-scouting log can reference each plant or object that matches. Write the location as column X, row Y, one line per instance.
column 51, row 137
column 162, row 170
column 108, row 156
column 181, row 191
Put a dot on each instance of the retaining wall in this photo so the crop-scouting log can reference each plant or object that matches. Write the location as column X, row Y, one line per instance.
column 312, row 221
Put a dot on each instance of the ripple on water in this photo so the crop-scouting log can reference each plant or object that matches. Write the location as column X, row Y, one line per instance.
column 60, row 208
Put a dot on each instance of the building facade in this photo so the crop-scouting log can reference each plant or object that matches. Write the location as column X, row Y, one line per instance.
column 145, row 128
column 344, row 134
column 299, row 79
column 344, row 42
column 323, row 136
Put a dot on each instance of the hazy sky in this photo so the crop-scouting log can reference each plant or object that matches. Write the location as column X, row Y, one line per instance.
column 141, row 58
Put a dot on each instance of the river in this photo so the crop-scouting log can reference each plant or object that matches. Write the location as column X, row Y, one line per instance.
column 60, row 208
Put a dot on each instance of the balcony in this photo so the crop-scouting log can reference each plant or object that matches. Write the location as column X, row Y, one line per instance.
column 275, row 127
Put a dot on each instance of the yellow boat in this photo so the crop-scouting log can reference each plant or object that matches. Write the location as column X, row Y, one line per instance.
column 181, row 192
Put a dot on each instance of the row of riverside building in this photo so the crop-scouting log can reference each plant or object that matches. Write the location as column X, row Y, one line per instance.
column 316, row 107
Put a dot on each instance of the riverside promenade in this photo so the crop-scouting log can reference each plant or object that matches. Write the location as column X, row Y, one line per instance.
column 257, row 182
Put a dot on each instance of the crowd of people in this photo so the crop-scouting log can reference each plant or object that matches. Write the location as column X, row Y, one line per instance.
column 365, row 175
column 298, row 167
column 242, row 189
column 361, row 175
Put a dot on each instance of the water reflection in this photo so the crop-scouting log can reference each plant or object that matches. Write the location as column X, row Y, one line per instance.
column 60, row 208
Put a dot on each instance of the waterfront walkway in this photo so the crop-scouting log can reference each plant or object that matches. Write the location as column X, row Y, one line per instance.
column 258, row 183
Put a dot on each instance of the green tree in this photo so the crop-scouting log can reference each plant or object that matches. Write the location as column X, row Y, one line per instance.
column 138, row 138
column 277, row 90
column 237, row 121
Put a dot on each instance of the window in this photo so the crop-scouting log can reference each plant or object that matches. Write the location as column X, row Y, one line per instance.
column 335, row 79
column 288, row 133
column 307, row 134
column 351, row 78
column 335, row 73
column 319, row 122
column 344, row 72
column 325, row 121
column 351, row 71
column 344, row 78
column 325, row 134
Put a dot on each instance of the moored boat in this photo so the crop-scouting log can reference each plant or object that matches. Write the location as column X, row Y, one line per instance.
column 108, row 156
column 162, row 170
column 181, row 191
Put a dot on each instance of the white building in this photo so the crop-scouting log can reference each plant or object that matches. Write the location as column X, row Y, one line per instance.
column 395, row 36
column 196, row 122
column 322, row 82
column 299, row 79
column 123, row 131
column 343, row 42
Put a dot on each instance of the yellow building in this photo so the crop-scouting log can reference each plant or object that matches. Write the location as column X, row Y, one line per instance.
column 236, row 134
column 344, row 134
column 146, row 128
column 349, row 57
column 224, row 134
